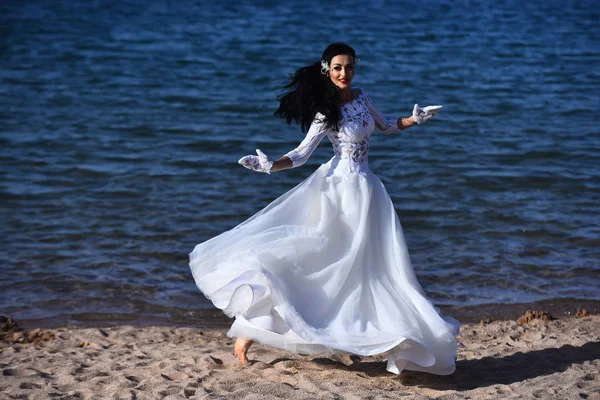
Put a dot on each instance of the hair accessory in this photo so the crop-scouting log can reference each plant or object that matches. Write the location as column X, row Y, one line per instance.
column 324, row 67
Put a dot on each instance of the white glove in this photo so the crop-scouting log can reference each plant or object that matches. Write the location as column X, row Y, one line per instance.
column 260, row 163
column 421, row 115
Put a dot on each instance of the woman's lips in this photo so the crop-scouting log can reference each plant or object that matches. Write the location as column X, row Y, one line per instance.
column 344, row 81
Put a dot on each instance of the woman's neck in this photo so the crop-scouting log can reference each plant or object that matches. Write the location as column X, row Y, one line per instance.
column 345, row 95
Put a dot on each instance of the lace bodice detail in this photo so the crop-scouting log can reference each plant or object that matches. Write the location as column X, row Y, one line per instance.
column 351, row 142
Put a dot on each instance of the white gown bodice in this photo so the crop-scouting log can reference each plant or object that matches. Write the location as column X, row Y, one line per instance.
column 359, row 118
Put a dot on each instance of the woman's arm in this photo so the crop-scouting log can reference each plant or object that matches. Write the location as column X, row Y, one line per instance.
column 292, row 159
column 281, row 164
column 386, row 125
column 389, row 125
column 302, row 153
column 405, row 122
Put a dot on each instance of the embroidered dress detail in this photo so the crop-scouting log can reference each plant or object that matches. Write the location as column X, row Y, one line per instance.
column 351, row 142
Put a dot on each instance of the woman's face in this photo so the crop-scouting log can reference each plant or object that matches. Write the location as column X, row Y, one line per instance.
column 341, row 71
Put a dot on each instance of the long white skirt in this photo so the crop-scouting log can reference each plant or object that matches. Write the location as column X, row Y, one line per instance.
column 325, row 269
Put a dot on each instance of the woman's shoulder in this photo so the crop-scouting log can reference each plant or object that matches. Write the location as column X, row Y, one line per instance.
column 358, row 92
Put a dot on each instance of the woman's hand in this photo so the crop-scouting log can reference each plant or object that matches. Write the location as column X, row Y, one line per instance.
column 260, row 163
column 421, row 115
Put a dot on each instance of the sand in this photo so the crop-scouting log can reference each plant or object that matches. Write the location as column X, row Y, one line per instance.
column 539, row 359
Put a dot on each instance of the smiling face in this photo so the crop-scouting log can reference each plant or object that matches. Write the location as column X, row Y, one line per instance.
column 341, row 71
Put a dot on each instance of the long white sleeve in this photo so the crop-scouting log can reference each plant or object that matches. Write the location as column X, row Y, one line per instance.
column 384, row 124
column 315, row 134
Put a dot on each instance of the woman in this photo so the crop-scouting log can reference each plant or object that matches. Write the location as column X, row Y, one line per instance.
column 325, row 267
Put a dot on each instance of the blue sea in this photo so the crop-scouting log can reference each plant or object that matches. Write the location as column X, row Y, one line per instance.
column 121, row 124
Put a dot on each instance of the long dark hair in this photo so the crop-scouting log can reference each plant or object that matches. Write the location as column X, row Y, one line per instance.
column 310, row 92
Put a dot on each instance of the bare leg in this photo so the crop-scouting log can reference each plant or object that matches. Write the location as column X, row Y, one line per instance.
column 240, row 349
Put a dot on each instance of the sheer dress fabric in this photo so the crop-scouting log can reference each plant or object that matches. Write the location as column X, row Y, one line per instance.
column 325, row 267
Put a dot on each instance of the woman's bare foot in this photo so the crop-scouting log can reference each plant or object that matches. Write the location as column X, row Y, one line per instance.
column 240, row 349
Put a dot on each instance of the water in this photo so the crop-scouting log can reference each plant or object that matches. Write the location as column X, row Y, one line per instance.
column 121, row 124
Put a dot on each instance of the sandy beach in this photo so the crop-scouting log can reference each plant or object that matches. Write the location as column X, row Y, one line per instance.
column 533, row 358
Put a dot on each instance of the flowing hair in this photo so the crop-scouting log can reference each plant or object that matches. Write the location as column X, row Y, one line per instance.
column 311, row 92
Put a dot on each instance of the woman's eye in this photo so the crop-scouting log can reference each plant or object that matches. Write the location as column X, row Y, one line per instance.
column 337, row 68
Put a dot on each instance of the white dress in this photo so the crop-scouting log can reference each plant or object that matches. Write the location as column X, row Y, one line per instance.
column 325, row 267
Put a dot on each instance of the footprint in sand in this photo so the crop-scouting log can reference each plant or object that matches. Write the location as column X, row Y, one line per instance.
column 133, row 378
column 29, row 385
column 16, row 372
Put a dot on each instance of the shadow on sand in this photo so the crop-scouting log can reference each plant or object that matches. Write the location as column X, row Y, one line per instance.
column 486, row 371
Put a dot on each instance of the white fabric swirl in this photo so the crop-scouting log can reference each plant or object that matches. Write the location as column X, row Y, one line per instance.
column 325, row 267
